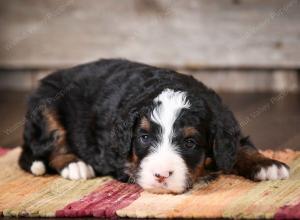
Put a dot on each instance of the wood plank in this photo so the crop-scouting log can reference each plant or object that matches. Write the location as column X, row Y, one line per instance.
column 248, row 80
column 194, row 34
column 222, row 80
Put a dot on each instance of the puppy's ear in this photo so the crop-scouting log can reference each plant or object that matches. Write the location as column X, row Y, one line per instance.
column 122, row 133
column 225, row 134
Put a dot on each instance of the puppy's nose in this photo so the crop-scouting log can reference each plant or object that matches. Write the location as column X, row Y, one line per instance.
column 161, row 177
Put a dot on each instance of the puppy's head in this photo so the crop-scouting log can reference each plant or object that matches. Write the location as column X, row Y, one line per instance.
column 169, row 142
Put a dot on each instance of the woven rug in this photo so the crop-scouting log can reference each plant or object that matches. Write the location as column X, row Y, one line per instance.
column 229, row 196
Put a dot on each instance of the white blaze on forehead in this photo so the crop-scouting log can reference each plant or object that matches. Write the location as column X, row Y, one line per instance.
column 166, row 113
column 164, row 157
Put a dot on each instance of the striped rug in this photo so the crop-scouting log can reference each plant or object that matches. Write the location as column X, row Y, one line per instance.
column 229, row 196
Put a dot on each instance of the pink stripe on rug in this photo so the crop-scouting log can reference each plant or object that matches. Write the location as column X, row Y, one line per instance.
column 104, row 202
column 288, row 212
column 3, row 151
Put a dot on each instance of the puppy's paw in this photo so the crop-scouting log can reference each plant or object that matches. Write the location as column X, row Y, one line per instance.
column 275, row 170
column 38, row 168
column 77, row 170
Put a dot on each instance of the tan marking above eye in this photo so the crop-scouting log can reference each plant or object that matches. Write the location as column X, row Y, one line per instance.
column 145, row 124
column 189, row 131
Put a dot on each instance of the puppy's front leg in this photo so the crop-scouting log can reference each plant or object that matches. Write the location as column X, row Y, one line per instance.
column 253, row 165
column 70, row 167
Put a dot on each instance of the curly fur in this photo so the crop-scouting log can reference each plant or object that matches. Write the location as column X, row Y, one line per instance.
column 90, row 113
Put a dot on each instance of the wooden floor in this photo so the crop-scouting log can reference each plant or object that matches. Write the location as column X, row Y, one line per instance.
column 271, row 120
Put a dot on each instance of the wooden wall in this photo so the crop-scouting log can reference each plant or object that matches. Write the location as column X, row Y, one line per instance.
column 191, row 35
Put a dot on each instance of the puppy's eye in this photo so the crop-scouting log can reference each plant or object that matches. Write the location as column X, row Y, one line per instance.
column 190, row 143
column 145, row 139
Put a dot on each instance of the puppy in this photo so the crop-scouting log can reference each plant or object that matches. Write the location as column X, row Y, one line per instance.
column 137, row 123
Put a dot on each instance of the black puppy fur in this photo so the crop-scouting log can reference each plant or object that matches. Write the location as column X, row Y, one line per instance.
column 90, row 113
